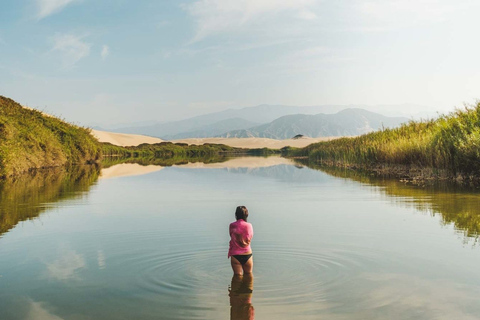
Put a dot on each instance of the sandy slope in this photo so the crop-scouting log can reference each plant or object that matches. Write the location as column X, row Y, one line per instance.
column 124, row 139
column 254, row 143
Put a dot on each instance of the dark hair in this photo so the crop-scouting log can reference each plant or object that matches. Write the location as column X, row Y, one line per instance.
column 241, row 213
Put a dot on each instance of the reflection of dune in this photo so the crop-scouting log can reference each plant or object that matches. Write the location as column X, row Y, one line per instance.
column 242, row 162
column 128, row 169
column 135, row 169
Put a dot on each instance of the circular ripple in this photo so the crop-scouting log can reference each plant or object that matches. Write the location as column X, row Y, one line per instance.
column 184, row 273
column 297, row 275
column 281, row 276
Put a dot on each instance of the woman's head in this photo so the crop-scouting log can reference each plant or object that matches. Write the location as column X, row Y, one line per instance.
column 241, row 213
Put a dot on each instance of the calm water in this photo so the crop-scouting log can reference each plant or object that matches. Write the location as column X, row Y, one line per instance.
column 327, row 245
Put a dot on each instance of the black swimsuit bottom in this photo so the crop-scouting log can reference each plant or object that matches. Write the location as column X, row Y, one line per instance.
column 242, row 258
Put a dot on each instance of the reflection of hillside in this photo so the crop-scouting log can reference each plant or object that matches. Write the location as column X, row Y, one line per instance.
column 24, row 197
column 457, row 205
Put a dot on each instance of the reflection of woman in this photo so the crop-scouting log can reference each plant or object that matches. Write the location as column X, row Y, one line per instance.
column 241, row 233
column 241, row 297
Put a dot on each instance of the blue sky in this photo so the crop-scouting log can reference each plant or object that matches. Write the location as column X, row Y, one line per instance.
column 113, row 61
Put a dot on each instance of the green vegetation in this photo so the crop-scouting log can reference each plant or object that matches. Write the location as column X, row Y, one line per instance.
column 168, row 153
column 25, row 197
column 30, row 139
column 164, row 162
column 168, row 150
column 450, row 144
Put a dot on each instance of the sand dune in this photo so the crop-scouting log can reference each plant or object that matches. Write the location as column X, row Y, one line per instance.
column 254, row 143
column 124, row 139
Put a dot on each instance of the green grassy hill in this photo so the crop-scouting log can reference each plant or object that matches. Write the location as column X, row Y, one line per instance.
column 450, row 143
column 30, row 139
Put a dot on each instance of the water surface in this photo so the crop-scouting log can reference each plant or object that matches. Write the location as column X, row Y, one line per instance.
column 154, row 246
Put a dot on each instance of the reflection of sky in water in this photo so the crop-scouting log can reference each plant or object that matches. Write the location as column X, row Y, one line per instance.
column 154, row 247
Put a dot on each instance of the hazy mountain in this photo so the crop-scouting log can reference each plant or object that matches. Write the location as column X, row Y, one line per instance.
column 348, row 122
column 214, row 129
column 258, row 114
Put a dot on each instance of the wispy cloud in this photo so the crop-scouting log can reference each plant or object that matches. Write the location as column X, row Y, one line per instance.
column 105, row 52
column 394, row 10
column 381, row 15
column 66, row 265
column 72, row 48
column 49, row 7
column 39, row 311
column 219, row 16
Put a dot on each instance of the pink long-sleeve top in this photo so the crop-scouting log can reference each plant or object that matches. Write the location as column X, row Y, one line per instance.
column 241, row 233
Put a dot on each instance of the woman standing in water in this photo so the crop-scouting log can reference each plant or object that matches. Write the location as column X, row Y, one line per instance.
column 241, row 233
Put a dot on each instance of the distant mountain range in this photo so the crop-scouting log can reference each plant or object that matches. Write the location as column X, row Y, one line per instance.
column 348, row 122
column 273, row 121
column 251, row 116
column 214, row 129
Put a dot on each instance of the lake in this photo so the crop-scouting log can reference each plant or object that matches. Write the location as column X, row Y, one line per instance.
column 150, row 242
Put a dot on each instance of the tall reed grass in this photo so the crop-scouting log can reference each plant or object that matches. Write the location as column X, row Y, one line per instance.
column 451, row 143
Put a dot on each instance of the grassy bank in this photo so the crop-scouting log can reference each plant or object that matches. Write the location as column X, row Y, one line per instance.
column 30, row 139
column 447, row 147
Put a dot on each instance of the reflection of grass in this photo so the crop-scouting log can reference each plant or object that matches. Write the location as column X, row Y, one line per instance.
column 168, row 153
column 457, row 205
column 164, row 162
column 24, row 197
column 450, row 143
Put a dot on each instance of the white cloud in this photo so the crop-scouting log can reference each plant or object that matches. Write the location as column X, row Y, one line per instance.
column 65, row 266
column 71, row 48
column 218, row 16
column 307, row 15
column 381, row 15
column 48, row 7
column 38, row 311
column 105, row 52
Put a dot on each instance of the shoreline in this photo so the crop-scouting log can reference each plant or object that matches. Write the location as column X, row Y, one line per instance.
column 404, row 173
